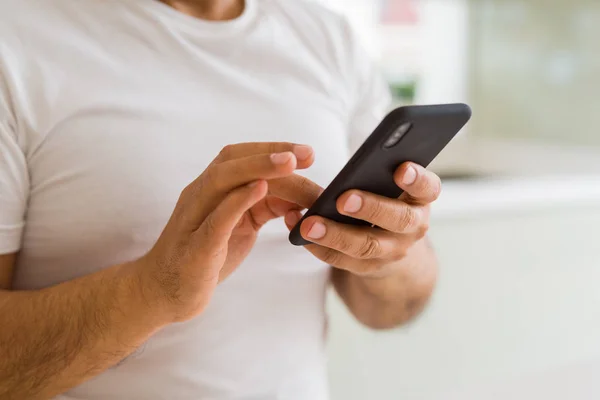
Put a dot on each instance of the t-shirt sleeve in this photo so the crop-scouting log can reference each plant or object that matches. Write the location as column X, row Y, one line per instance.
column 371, row 94
column 14, row 179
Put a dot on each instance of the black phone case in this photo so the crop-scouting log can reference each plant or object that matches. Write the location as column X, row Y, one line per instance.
column 372, row 167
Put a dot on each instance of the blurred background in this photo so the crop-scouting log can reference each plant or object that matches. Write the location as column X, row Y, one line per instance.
column 517, row 311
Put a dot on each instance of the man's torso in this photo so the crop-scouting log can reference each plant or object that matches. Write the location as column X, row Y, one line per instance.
column 119, row 105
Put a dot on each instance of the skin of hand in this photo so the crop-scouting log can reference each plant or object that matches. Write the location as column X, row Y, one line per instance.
column 374, row 252
column 216, row 220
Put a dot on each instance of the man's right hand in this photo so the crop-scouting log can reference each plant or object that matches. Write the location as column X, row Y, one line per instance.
column 216, row 221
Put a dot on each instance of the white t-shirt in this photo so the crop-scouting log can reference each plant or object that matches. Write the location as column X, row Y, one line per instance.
column 108, row 108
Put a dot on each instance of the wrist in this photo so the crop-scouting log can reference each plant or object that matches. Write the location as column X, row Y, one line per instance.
column 145, row 292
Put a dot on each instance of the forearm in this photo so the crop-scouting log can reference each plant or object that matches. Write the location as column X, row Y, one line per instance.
column 54, row 339
column 384, row 303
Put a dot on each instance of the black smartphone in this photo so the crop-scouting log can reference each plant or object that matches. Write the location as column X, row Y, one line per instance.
column 412, row 133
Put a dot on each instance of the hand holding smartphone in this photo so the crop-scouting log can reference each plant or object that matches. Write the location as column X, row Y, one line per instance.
column 413, row 133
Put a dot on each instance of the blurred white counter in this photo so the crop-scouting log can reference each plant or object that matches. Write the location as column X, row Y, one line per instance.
column 517, row 307
column 485, row 196
column 576, row 381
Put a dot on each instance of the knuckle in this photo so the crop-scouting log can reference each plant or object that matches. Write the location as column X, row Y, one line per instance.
column 338, row 242
column 225, row 152
column 400, row 251
column 307, row 188
column 186, row 196
column 273, row 147
column 302, row 183
column 186, row 193
column 212, row 177
column 406, row 218
column 331, row 257
column 422, row 231
column 180, row 215
column 375, row 210
column 370, row 248
column 209, row 226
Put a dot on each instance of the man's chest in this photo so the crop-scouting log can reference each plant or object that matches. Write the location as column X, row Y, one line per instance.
column 144, row 113
column 148, row 139
column 116, row 152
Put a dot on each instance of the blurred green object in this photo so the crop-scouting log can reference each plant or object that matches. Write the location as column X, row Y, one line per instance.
column 404, row 91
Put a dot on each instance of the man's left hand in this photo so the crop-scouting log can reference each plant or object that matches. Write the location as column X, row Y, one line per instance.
column 367, row 251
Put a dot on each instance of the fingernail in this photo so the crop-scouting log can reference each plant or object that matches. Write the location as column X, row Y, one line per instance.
column 253, row 184
column 292, row 218
column 281, row 158
column 317, row 231
column 410, row 176
column 353, row 204
column 303, row 152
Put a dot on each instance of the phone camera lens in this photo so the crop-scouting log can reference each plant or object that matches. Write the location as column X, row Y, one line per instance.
column 397, row 135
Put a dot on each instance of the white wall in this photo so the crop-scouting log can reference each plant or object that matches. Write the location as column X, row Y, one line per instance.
column 517, row 304
column 444, row 42
column 437, row 51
